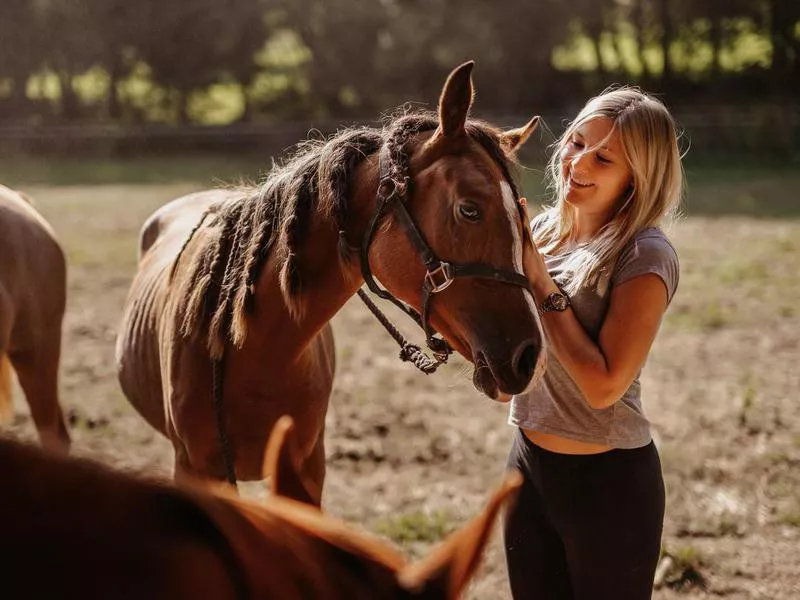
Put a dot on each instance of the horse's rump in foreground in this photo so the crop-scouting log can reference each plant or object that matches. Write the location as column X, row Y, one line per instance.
column 250, row 279
column 32, row 301
column 75, row 530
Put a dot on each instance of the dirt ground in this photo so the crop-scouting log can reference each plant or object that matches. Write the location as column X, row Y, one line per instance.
column 412, row 456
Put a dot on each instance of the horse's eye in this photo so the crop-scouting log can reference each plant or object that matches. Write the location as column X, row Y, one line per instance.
column 469, row 212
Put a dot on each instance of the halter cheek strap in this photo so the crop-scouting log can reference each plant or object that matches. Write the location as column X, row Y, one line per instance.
column 391, row 196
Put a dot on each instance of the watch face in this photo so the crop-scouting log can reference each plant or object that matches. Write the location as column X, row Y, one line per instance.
column 559, row 301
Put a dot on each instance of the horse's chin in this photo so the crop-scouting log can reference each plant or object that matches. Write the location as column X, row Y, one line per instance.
column 483, row 380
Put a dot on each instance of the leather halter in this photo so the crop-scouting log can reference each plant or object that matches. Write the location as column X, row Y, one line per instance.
column 392, row 195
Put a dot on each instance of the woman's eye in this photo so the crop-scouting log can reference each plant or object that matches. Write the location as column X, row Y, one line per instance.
column 602, row 159
column 469, row 212
column 577, row 144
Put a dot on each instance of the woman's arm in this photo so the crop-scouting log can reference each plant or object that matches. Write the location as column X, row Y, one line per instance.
column 604, row 371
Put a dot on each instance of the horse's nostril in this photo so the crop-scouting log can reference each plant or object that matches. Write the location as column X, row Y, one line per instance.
column 526, row 360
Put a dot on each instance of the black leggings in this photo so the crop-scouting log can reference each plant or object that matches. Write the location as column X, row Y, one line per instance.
column 584, row 526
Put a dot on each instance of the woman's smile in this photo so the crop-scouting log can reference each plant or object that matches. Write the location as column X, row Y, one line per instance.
column 578, row 182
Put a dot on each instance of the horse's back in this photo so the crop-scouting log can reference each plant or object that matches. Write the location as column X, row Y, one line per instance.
column 174, row 221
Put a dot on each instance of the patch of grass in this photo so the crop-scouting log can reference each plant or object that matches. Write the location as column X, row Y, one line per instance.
column 734, row 272
column 417, row 527
column 748, row 399
column 742, row 190
column 790, row 518
column 785, row 245
column 706, row 316
column 685, row 568
column 713, row 189
column 206, row 169
column 686, row 557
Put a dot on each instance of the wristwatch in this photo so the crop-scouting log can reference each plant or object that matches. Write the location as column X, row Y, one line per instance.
column 555, row 302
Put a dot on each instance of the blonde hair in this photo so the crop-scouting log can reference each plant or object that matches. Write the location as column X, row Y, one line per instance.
column 647, row 134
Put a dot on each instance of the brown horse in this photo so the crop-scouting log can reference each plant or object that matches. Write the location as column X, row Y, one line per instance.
column 75, row 530
column 251, row 279
column 32, row 300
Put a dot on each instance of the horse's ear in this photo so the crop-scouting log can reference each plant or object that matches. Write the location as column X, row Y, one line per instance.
column 281, row 462
column 448, row 569
column 513, row 139
column 456, row 100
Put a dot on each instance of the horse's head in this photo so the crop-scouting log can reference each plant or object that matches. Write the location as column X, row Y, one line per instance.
column 464, row 203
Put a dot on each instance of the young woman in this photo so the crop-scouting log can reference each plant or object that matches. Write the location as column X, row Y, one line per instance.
column 588, row 521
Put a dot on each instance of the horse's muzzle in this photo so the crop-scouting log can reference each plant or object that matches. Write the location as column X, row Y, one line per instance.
column 520, row 373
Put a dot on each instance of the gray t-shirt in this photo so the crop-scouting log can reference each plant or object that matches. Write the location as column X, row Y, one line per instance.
column 556, row 405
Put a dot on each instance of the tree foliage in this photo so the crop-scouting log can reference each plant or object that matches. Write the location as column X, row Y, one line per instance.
column 366, row 55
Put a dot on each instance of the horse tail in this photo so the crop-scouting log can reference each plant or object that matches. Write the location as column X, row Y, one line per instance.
column 6, row 400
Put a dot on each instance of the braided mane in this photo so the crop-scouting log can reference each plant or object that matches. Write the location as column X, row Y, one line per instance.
column 272, row 219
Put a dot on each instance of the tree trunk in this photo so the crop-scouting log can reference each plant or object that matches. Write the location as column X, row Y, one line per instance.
column 19, row 95
column 601, row 66
column 641, row 35
column 779, row 27
column 69, row 101
column 667, row 35
column 247, row 114
column 716, row 34
column 114, row 105
column 594, row 29
column 183, row 107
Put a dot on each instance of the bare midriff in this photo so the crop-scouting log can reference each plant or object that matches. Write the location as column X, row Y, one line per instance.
column 562, row 445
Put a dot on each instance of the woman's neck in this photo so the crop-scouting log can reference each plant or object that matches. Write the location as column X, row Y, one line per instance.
column 587, row 225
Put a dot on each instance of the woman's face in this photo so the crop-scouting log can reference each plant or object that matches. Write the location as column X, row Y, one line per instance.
column 595, row 176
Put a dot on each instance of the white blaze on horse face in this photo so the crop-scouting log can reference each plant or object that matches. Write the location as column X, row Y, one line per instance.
column 510, row 204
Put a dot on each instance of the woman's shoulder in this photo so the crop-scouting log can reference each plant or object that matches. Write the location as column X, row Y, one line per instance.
column 651, row 240
column 649, row 251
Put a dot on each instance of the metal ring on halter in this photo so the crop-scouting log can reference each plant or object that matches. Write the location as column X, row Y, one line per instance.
column 444, row 270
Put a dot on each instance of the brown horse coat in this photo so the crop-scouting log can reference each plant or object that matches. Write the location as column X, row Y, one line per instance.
column 197, row 295
column 32, row 300
column 74, row 530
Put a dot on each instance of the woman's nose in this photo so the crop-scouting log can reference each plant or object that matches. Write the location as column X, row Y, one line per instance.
column 581, row 158
column 579, row 162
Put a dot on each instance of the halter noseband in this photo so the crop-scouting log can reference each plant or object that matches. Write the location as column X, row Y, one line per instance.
column 392, row 195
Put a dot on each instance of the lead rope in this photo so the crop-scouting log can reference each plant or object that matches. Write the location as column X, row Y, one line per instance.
column 408, row 352
column 222, row 430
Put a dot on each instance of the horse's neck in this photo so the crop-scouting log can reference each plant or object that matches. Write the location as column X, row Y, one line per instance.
column 327, row 280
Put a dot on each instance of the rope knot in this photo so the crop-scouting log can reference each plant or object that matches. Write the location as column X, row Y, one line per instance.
column 414, row 354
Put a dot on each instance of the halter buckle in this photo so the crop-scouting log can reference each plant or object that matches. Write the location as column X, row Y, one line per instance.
column 440, row 278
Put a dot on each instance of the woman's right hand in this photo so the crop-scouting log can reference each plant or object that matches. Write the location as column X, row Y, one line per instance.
column 532, row 261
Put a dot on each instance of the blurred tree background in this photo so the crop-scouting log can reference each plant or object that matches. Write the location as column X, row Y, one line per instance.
column 121, row 76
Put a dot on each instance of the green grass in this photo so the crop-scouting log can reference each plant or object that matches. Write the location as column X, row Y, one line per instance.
column 790, row 518
column 713, row 189
column 203, row 169
column 416, row 527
